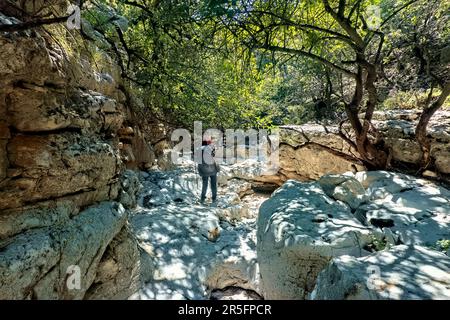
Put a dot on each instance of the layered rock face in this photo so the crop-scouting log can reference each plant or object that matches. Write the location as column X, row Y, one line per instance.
column 370, row 235
column 60, row 118
column 399, row 127
column 61, row 125
column 309, row 151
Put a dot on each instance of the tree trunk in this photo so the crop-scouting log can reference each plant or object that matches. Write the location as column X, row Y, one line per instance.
column 421, row 128
column 374, row 155
column 352, row 109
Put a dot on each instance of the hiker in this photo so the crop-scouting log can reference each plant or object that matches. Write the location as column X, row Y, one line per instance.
column 208, row 169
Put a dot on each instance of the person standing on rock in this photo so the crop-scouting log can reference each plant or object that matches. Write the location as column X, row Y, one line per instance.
column 208, row 169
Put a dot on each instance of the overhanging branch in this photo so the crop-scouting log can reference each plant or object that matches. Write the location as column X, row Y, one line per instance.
column 308, row 55
column 32, row 24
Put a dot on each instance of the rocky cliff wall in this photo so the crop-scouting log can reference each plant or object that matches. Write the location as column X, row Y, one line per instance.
column 64, row 197
column 311, row 150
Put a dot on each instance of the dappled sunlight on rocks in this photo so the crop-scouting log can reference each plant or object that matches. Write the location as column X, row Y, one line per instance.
column 196, row 248
column 326, row 230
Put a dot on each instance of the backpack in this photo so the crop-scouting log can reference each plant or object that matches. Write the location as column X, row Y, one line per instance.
column 208, row 167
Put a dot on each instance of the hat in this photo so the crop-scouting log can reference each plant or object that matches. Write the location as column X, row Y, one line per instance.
column 207, row 140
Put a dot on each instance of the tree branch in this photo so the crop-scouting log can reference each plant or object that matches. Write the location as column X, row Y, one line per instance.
column 32, row 24
column 397, row 11
column 421, row 128
column 344, row 136
column 345, row 25
column 303, row 26
column 308, row 55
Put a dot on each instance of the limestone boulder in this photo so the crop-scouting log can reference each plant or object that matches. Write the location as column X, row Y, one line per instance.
column 234, row 272
column 296, row 136
column 303, row 148
column 344, row 188
column 130, row 187
column 398, row 126
column 121, row 270
column 251, row 170
column 441, row 154
column 194, row 252
column 240, row 187
column 405, row 150
column 307, row 161
column 299, row 230
column 402, row 273
column 414, row 210
column 39, row 264
column 342, row 218
column 233, row 213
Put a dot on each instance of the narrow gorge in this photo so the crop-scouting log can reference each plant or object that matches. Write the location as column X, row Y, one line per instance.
column 93, row 207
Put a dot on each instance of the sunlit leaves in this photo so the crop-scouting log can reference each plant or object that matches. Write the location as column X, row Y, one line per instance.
column 208, row 59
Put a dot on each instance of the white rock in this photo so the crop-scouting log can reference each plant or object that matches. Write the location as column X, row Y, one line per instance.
column 344, row 188
column 390, row 237
column 415, row 209
column 36, row 262
column 234, row 213
column 404, row 272
column 299, row 229
column 122, row 269
column 191, row 257
column 297, row 235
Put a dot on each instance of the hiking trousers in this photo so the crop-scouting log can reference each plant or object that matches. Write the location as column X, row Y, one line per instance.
column 213, row 179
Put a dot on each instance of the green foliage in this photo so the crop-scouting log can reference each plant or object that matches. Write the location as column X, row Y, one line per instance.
column 181, row 65
column 377, row 244
column 411, row 99
column 443, row 245
column 213, row 61
column 416, row 50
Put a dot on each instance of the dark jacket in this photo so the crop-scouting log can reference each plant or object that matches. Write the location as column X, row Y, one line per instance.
column 208, row 166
